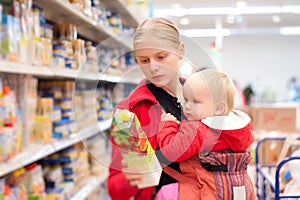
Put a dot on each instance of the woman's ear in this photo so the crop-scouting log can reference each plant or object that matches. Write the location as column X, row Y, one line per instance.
column 181, row 51
column 220, row 108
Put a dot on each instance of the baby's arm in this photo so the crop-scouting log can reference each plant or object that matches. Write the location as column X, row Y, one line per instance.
column 179, row 144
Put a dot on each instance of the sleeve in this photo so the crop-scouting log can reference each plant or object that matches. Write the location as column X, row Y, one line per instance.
column 180, row 144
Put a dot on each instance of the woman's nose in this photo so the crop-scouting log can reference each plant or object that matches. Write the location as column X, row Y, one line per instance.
column 153, row 66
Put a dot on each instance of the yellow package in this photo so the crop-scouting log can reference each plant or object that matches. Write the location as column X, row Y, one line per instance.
column 135, row 147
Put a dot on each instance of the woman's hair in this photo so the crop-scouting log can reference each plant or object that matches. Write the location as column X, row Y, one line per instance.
column 157, row 29
column 220, row 86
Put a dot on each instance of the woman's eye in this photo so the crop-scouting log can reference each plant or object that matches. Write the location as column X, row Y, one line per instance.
column 161, row 57
column 143, row 60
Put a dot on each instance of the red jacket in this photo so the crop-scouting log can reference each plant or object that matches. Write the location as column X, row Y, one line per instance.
column 142, row 102
column 233, row 132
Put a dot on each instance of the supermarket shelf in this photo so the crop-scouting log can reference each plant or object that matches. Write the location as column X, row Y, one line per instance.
column 63, row 12
column 37, row 152
column 19, row 68
column 91, row 184
column 64, row 72
column 119, row 79
column 56, row 72
column 120, row 7
column 110, row 78
column 84, row 75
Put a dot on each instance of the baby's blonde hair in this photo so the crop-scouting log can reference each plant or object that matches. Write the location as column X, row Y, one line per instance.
column 220, row 86
column 157, row 28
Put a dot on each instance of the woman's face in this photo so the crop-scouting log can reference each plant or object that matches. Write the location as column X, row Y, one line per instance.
column 159, row 66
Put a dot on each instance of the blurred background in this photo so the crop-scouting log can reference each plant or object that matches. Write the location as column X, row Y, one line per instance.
column 256, row 42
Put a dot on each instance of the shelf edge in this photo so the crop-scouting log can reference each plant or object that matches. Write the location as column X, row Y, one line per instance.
column 30, row 155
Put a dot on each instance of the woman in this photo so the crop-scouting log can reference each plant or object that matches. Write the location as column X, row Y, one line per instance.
column 157, row 50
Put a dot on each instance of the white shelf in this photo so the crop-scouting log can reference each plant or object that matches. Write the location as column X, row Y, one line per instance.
column 134, row 76
column 19, row 68
column 91, row 184
column 39, row 151
column 63, row 12
column 56, row 72
column 65, row 72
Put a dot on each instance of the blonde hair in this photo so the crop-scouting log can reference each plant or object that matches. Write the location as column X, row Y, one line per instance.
column 220, row 86
column 157, row 28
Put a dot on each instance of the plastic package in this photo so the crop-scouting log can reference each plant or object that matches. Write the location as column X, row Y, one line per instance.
column 46, row 54
column 136, row 149
column 60, row 129
column 65, row 103
column 58, row 61
column 45, row 106
column 17, row 181
column 72, row 127
column 2, row 188
column 53, row 176
column 56, row 113
column 43, row 129
column 70, row 62
column 36, row 179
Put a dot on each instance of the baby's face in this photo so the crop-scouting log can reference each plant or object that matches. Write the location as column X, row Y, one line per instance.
column 197, row 103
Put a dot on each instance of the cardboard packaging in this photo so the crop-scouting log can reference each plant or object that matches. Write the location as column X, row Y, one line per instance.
column 135, row 147
column 273, row 118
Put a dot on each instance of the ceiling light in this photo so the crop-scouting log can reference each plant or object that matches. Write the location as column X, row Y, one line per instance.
column 178, row 10
column 291, row 9
column 210, row 11
column 227, row 10
column 185, row 68
column 205, row 32
column 176, row 5
column 276, row 19
column 290, row 30
column 184, row 21
column 230, row 19
column 241, row 4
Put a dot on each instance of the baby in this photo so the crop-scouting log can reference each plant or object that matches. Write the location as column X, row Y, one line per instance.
column 214, row 138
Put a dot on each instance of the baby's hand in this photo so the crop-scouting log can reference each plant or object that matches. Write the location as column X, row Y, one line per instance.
column 168, row 117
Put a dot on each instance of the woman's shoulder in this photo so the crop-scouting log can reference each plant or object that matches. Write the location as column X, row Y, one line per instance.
column 139, row 95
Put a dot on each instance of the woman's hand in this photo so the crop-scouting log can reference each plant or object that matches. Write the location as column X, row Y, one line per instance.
column 134, row 178
column 168, row 117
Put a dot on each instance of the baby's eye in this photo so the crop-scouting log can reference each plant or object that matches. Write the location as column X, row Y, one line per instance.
column 196, row 101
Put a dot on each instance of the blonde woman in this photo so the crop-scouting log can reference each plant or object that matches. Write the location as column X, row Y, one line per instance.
column 157, row 50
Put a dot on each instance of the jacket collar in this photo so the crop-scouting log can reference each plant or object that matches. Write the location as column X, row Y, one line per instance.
column 235, row 120
column 141, row 93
